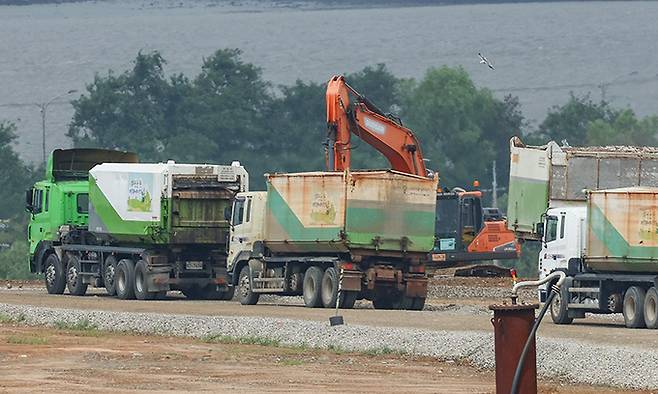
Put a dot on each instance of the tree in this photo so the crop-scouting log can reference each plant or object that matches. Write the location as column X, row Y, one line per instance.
column 462, row 129
column 569, row 122
column 15, row 176
column 218, row 117
column 624, row 129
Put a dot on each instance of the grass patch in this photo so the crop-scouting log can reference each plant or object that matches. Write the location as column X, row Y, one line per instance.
column 83, row 327
column 292, row 363
column 26, row 340
column 337, row 349
column 384, row 351
column 7, row 319
column 247, row 340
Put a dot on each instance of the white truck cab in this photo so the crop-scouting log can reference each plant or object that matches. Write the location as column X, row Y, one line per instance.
column 563, row 239
column 247, row 221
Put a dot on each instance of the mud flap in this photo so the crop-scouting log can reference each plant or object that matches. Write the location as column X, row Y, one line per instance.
column 416, row 286
column 351, row 280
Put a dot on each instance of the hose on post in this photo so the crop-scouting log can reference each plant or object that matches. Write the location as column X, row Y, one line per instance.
column 555, row 289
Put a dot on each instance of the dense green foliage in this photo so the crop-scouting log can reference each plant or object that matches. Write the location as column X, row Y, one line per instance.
column 15, row 178
column 229, row 112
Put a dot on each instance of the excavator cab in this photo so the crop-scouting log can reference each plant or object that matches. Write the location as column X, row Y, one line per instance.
column 467, row 232
column 458, row 220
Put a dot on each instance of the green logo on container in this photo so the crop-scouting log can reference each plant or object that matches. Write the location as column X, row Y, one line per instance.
column 139, row 197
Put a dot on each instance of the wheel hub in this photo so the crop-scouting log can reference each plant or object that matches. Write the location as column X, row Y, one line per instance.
column 109, row 275
column 50, row 274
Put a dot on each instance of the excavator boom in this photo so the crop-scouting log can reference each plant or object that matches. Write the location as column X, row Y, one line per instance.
column 383, row 132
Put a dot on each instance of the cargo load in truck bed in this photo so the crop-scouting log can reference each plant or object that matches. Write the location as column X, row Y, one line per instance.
column 379, row 211
column 554, row 175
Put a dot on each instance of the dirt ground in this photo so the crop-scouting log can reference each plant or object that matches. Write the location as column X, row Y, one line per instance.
column 50, row 360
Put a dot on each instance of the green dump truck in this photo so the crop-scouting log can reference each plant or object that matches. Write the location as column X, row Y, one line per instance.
column 102, row 219
column 365, row 232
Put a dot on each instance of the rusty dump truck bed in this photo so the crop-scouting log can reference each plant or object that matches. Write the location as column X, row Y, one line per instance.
column 340, row 211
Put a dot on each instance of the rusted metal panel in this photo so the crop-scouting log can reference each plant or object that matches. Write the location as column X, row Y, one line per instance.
column 622, row 230
column 366, row 210
column 512, row 326
column 351, row 280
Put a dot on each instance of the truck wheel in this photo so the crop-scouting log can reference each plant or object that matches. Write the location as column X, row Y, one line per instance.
column 228, row 294
column 245, row 295
column 651, row 308
column 329, row 289
column 54, row 275
column 124, row 279
column 141, row 282
column 559, row 313
column 403, row 303
column 348, row 299
column 73, row 278
column 634, row 307
column 197, row 293
column 382, row 302
column 313, row 287
column 108, row 275
column 418, row 304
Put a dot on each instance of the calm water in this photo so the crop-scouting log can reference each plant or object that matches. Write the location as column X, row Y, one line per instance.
column 541, row 51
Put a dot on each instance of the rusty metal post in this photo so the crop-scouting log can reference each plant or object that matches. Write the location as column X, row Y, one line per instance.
column 512, row 326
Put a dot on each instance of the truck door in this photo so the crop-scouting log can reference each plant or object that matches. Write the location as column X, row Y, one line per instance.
column 241, row 220
column 553, row 253
column 38, row 228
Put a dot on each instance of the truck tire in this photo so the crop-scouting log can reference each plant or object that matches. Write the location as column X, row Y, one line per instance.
column 382, row 301
column 54, row 275
column 313, row 287
column 141, row 282
column 228, row 294
column 651, row 308
column 329, row 288
column 418, row 304
column 73, row 278
column 109, row 270
column 348, row 299
column 245, row 295
column 125, row 279
column 403, row 303
column 634, row 307
column 197, row 293
column 559, row 313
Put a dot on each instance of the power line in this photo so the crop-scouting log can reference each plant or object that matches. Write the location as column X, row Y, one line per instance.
column 579, row 85
column 17, row 105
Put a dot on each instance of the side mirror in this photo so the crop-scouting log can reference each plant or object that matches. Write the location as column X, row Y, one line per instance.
column 28, row 200
column 539, row 229
column 227, row 213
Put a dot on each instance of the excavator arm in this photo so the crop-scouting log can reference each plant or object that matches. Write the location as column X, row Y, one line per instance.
column 362, row 118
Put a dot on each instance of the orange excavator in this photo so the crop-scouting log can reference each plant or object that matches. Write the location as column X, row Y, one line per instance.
column 465, row 231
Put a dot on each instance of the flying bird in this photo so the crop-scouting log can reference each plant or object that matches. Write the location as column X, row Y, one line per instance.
column 484, row 60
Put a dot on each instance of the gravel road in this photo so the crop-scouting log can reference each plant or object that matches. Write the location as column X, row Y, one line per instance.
column 579, row 361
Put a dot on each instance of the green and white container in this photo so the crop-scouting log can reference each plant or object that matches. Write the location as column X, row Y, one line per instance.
column 622, row 230
column 164, row 203
column 371, row 211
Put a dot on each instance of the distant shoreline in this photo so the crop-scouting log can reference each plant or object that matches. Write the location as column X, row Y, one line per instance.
column 301, row 4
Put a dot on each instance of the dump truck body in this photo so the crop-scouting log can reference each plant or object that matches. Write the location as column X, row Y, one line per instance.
column 559, row 176
column 622, row 230
column 369, row 211
column 165, row 203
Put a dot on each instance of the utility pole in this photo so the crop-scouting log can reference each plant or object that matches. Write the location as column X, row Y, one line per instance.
column 43, row 107
column 494, row 187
